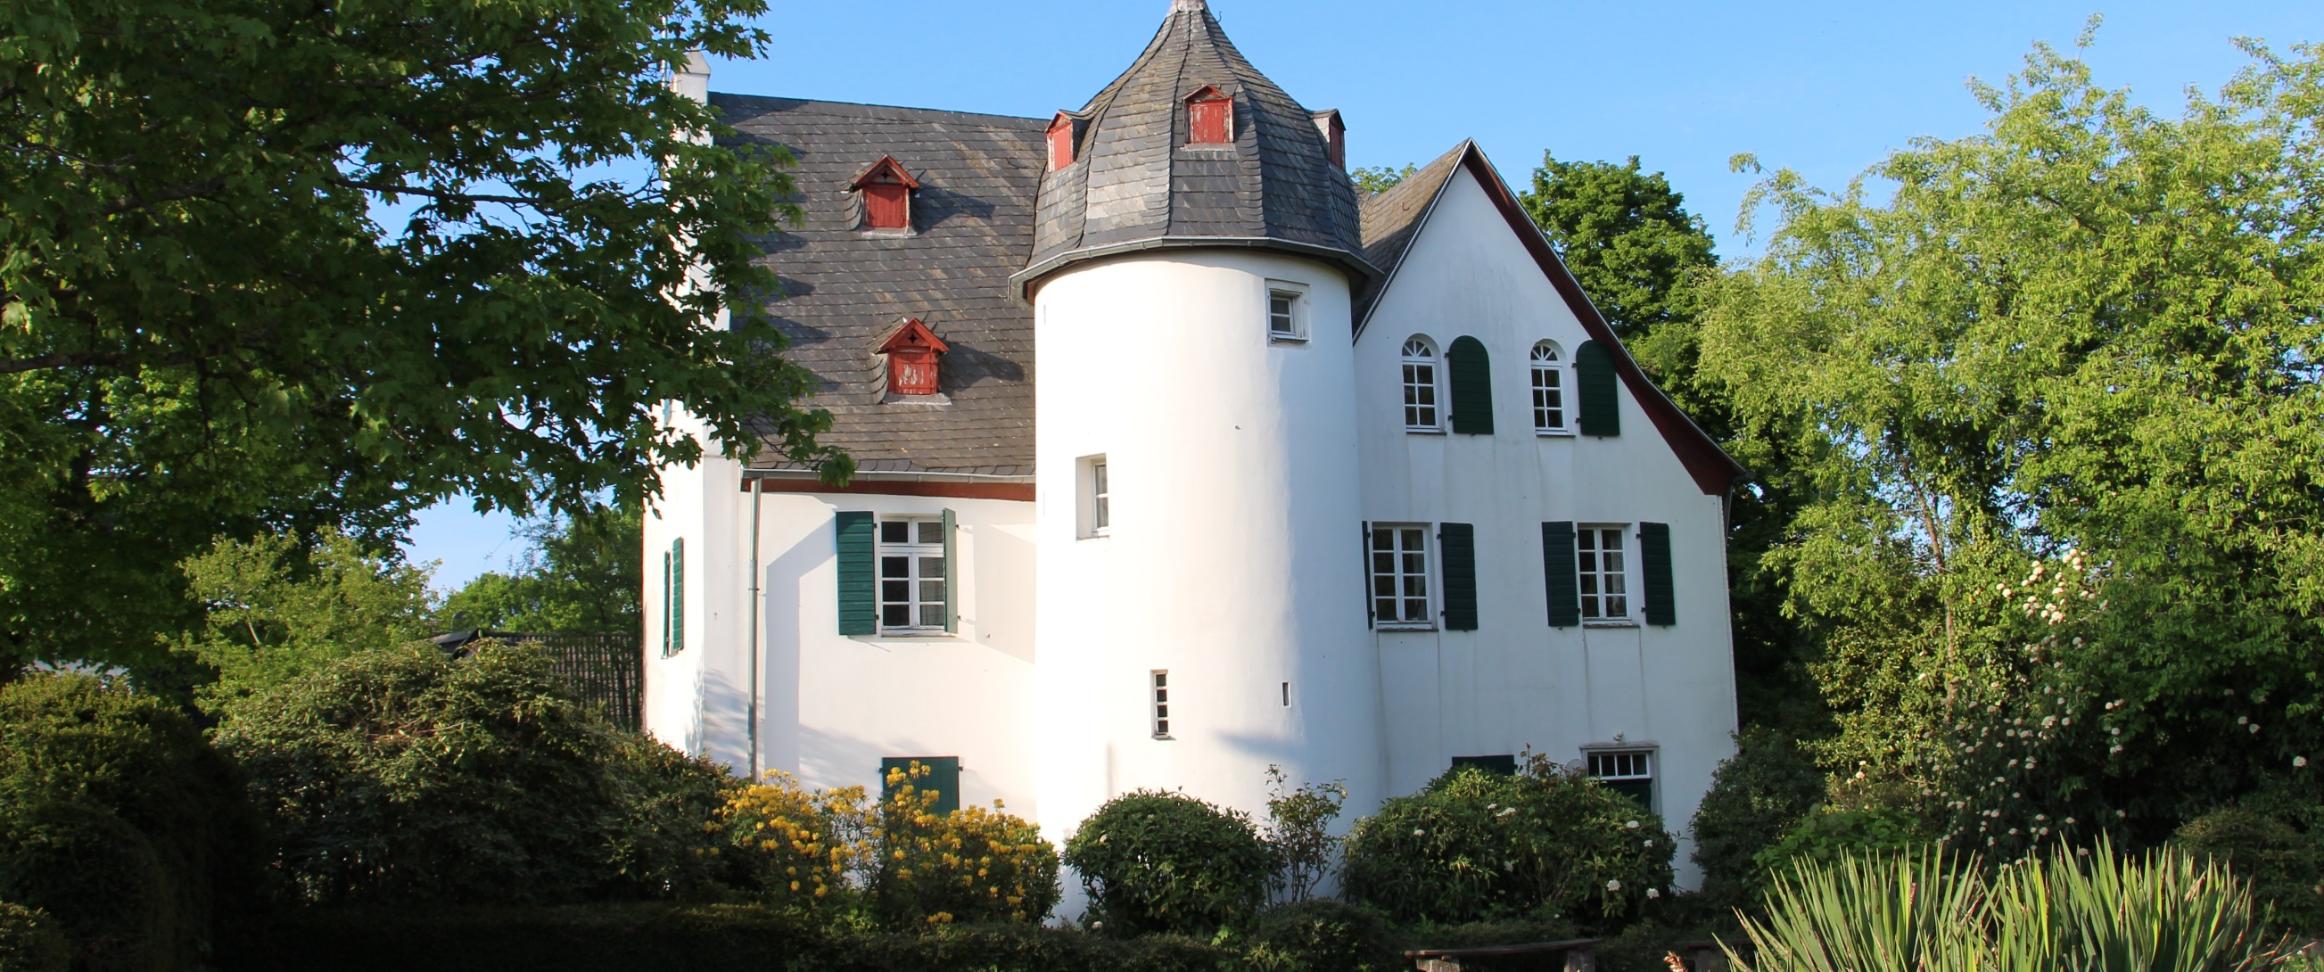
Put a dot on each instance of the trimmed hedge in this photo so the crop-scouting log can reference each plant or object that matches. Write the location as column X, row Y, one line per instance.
column 30, row 942
column 701, row 938
column 1321, row 935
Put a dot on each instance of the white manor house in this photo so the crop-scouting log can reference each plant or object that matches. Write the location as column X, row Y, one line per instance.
column 1182, row 458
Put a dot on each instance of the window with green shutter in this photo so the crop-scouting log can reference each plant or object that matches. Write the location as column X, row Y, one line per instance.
column 1598, row 389
column 858, row 587
column 937, row 774
column 1629, row 772
column 1471, row 371
column 677, row 595
column 1654, row 557
column 1459, row 543
column 1558, row 575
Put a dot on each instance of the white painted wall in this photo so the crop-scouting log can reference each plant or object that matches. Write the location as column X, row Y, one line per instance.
column 1516, row 682
column 1232, row 558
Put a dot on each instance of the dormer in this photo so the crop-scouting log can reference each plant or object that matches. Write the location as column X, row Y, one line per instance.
column 912, row 360
column 1335, row 136
column 1064, row 134
column 887, row 195
column 1210, row 117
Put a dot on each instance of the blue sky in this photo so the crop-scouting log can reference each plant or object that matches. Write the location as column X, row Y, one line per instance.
column 1826, row 88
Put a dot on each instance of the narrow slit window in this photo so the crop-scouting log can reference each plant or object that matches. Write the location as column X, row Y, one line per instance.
column 1161, row 692
column 1097, row 498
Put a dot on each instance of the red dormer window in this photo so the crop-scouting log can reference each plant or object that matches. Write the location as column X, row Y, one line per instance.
column 887, row 195
column 912, row 361
column 1210, row 118
column 1060, row 142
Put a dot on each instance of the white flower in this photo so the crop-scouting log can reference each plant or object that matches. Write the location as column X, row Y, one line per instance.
column 1653, row 893
column 2299, row 762
column 1505, row 811
column 1102, row 838
column 1649, row 841
column 1613, row 885
column 2255, row 728
column 1417, row 832
column 1632, row 825
column 2242, row 720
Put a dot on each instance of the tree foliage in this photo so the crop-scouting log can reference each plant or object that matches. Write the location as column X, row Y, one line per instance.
column 289, row 267
column 2083, row 342
column 272, row 611
column 582, row 572
column 1380, row 178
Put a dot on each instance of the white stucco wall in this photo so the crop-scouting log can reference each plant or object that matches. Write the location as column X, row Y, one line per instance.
column 1231, row 561
column 1516, row 682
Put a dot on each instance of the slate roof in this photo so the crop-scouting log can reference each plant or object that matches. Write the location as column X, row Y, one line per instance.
column 847, row 290
column 1135, row 183
column 1392, row 218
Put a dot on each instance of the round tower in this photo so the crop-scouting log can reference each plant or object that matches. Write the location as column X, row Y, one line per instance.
column 1202, row 609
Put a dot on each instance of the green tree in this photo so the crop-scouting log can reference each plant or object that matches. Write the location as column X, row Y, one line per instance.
column 583, row 572
column 283, row 268
column 273, row 611
column 1380, row 178
column 2055, row 388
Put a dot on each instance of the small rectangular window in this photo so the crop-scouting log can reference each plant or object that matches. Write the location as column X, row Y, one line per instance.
column 1286, row 312
column 1601, row 570
column 1399, row 568
column 1161, row 704
column 1096, row 513
column 1629, row 772
column 912, row 572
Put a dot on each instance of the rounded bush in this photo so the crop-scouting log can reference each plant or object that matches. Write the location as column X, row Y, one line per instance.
column 1165, row 861
column 30, row 942
column 1478, row 846
column 971, row 865
column 1756, row 796
column 1834, row 835
column 2283, row 862
column 663, row 843
column 1321, row 935
column 105, row 788
column 405, row 777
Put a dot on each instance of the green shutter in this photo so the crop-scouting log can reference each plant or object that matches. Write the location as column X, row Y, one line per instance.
column 1472, row 386
column 943, row 778
column 678, row 595
column 1639, row 791
column 1370, row 619
column 951, row 573
column 1598, row 389
column 1458, row 542
column 1557, row 569
column 1654, row 554
column 858, row 580
column 669, row 606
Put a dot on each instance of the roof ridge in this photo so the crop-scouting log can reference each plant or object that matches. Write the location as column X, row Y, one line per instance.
column 869, row 104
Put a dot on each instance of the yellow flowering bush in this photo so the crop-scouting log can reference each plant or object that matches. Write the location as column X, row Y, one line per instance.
column 972, row 865
column 807, row 850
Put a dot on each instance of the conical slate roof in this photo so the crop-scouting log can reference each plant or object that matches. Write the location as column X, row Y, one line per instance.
column 1136, row 184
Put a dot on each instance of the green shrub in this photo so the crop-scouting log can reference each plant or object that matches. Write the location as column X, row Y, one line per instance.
column 105, row 792
column 2086, row 909
column 658, row 845
column 1320, row 935
column 1478, row 846
column 1167, row 862
column 972, row 865
column 2278, row 848
column 30, row 941
column 1834, row 835
column 1756, row 797
column 1299, row 833
column 404, row 777
column 1019, row 948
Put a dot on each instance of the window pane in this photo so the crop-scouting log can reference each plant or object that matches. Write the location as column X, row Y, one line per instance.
column 932, row 567
column 895, row 590
column 932, row 591
column 896, row 616
column 932, row 531
column 895, row 531
column 932, row 615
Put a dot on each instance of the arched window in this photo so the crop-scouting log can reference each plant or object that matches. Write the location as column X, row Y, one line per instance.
column 1420, row 389
column 1548, row 389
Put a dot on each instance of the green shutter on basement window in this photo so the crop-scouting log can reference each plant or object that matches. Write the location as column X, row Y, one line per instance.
column 941, row 774
column 1472, row 386
column 1654, row 555
column 678, row 595
column 1557, row 569
column 1458, row 541
column 1598, row 389
column 951, row 573
column 858, row 605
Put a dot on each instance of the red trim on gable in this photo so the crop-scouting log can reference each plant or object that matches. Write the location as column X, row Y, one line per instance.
column 1713, row 470
column 1017, row 492
column 887, row 170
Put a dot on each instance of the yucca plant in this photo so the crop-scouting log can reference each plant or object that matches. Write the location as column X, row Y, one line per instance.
column 1918, row 911
column 2080, row 910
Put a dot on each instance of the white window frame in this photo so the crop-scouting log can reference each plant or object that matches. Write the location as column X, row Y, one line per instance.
column 915, row 552
column 1626, row 764
column 1401, row 576
column 1423, row 417
column 1289, row 327
column 1158, row 698
column 1093, row 483
column 1589, row 550
column 1554, row 371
